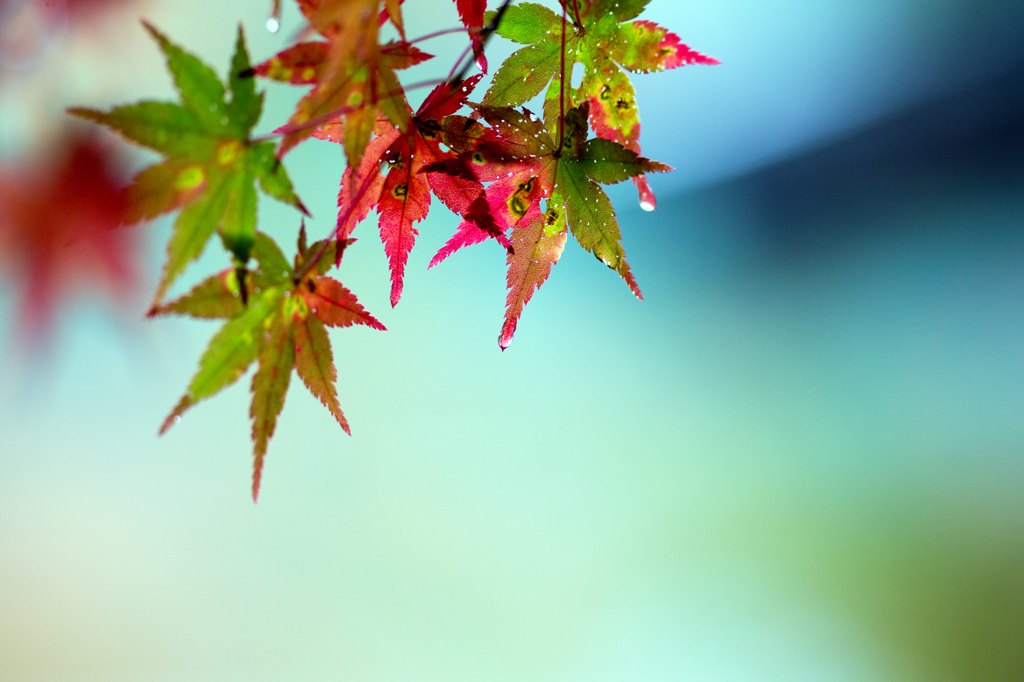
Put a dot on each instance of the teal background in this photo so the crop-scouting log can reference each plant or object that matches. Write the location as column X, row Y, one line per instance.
column 798, row 459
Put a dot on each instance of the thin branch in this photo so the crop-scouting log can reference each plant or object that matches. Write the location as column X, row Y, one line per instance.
column 437, row 34
column 452, row 78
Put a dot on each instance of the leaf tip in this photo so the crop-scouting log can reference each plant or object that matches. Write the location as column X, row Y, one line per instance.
column 507, row 331
column 257, row 474
column 81, row 112
column 175, row 416
column 154, row 32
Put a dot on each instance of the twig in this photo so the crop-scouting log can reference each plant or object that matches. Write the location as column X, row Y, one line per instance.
column 436, row 34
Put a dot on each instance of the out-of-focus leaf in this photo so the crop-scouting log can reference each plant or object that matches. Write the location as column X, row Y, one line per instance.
column 62, row 230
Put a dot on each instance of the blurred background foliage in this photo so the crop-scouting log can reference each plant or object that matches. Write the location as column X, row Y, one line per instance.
column 799, row 459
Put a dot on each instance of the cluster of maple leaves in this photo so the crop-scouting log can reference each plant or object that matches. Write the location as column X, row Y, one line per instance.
column 526, row 182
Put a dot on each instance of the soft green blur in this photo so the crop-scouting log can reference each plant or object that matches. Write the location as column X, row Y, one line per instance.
column 765, row 471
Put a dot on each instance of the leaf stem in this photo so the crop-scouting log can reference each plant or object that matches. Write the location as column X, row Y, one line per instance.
column 438, row 34
column 561, row 88
column 576, row 13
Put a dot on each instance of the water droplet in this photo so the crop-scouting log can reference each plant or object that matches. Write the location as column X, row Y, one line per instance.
column 646, row 205
column 177, row 420
column 273, row 24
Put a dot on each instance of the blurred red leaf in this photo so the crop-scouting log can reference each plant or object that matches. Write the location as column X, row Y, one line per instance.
column 61, row 232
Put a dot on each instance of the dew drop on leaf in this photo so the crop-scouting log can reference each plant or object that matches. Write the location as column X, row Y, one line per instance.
column 273, row 24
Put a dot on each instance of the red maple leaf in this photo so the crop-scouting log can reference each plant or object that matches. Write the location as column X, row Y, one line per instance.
column 402, row 195
column 61, row 231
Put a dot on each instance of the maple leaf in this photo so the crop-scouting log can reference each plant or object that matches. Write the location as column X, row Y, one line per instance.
column 526, row 165
column 62, row 229
column 212, row 165
column 354, row 76
column 281, row 328
column 600, row 35
column 402, row 194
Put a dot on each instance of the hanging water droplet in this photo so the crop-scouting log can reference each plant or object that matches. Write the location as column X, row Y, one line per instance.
column 273, row 24
column 177, row 420
column 646, row 205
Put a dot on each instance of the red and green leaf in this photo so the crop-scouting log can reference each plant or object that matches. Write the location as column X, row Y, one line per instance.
column 602, row 38
column 538, row 241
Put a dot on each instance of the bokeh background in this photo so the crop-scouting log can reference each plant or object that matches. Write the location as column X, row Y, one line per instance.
column 799, row 459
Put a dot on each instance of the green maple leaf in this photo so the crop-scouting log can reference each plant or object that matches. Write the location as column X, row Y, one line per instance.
column 282, row 327
column 603, row 36
column 212, row 166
